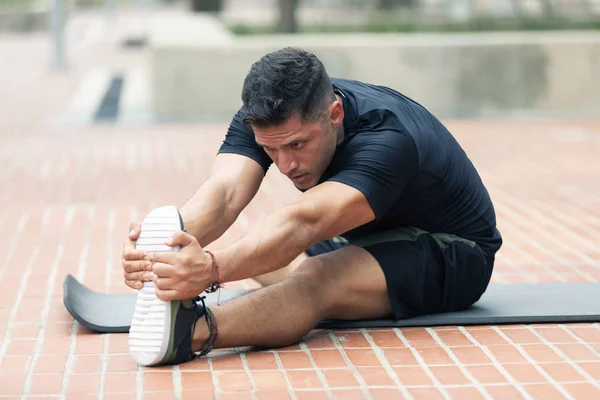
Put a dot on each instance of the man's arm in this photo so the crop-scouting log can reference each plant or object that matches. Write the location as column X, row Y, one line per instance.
column 233, row 182
column 323, row 212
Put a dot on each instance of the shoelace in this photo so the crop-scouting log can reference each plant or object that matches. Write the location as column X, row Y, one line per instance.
column 211, row 322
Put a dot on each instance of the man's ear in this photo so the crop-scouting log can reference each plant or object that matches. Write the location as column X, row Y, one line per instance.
column 336, row 113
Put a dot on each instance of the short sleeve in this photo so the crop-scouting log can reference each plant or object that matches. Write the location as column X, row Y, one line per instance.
column 381, row 165
column 240, row 140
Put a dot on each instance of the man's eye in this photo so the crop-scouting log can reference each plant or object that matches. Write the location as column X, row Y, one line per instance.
column 296, row 145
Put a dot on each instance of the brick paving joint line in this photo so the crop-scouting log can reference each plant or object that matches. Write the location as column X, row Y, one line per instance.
column 351, row 366
column 549, row 378
column 457, row 362
column 386, row 365
column 422, row 364
column 497, row 364
column 589, row 378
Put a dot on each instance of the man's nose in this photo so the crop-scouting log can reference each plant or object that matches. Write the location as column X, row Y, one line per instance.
column 287, row 163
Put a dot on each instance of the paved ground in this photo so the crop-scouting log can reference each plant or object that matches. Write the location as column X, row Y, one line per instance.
column 68, row 193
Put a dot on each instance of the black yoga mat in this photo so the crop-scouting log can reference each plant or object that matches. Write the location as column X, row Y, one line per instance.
column 501, row 304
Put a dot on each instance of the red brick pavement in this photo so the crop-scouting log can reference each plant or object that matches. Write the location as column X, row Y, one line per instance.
column 67, row 195
column 66, row 201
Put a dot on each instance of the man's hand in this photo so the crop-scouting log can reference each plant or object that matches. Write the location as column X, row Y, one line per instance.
column 136, row 263
column 184, row 274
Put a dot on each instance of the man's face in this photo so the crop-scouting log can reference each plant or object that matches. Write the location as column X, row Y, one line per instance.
column 302, row 151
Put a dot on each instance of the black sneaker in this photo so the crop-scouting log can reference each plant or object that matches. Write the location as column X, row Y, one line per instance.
column 161, row 332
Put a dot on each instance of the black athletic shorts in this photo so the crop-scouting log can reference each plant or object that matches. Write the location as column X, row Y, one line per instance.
column 425, row 272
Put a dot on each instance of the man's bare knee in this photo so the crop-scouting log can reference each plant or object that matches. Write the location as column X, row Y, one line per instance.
column 318, row 281
column 310, row 271
column 348, row 283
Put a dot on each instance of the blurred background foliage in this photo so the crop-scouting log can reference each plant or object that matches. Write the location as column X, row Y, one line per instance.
column 247, row 17
column 430, row 16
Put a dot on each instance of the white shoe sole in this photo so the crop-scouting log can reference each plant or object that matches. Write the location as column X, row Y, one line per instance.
column 151, row 325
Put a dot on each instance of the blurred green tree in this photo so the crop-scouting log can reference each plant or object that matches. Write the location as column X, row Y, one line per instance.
column 390, row 4
column 287, row 16
column 206, row 5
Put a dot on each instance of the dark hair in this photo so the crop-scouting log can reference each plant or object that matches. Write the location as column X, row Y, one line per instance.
column 283, row 83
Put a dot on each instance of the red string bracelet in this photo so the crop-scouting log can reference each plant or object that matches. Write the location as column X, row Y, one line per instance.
column 214, row 286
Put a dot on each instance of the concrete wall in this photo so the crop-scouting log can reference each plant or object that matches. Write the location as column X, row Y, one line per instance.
column 453, row 75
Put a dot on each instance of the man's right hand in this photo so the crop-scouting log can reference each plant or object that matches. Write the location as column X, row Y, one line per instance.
column 136, row 263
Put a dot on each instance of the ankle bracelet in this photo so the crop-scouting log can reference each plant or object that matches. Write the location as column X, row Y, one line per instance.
column 211, row 322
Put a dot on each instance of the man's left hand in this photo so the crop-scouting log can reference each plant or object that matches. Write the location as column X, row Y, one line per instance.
column 184, row 274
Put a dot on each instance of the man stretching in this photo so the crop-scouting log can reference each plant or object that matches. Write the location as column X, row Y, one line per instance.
column 393, row 219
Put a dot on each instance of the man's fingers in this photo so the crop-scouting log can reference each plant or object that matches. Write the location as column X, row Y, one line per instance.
column 137, row 265
column 134, row 284
column 180, row 239
column 163, row 270
column 139, row 276
column 166, row 283
column 167, row 295
column 134, row 230
column 136, row 269
column 131, row 254
column 166, row 257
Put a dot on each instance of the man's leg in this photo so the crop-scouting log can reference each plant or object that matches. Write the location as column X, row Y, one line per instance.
column 279, row 275
column 344, row 284
column 323, row 247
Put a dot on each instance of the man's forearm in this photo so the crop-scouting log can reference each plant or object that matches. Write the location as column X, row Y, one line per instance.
column 271, row 244
column 207, row 215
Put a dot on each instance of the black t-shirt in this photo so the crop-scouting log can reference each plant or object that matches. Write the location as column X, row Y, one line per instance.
column 407, row 164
